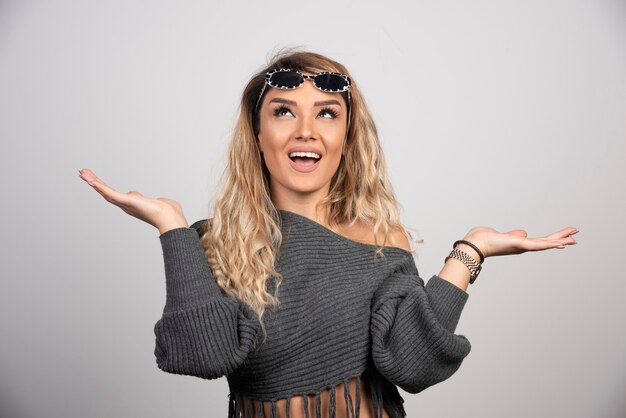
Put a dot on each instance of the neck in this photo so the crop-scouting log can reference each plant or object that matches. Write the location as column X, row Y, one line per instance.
column 302, row 204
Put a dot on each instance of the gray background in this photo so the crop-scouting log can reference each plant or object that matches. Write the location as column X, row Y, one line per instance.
column 502, row 113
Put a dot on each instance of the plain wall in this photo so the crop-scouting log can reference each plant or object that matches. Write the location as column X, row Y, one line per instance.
column 502, row 113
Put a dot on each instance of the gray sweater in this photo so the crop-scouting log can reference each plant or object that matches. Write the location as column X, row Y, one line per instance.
column 343, row 313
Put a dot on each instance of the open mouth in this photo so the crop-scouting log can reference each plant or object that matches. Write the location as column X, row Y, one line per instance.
column 304, row 161
column 304, row 157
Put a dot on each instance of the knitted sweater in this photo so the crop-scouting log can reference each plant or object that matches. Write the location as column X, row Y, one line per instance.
column 343, row 313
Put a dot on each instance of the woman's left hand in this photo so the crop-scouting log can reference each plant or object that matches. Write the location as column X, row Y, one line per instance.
column 492, row 242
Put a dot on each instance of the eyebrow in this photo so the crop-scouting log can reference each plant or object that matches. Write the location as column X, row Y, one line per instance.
column 327, row 102
column 292, row 103
column 283, row 101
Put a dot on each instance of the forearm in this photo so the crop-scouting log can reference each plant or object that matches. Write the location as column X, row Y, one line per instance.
column 172, row 224
column 455, row 272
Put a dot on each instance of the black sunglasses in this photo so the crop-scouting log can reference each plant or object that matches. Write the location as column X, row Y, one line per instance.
column 287, row 79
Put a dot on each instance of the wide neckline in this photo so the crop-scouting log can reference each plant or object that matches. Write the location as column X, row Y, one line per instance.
column 338, row 236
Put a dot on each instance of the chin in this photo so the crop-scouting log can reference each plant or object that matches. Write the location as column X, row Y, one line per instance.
column 305, row 187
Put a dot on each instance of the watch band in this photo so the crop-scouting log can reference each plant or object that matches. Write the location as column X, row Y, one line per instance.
column 473, row 265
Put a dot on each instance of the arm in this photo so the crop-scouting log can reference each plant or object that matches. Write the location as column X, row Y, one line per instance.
column 202, row 332
column 493, row 243
column 413, row 340
column 412, row 329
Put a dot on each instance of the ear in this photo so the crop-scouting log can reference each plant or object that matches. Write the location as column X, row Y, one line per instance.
column 345, row 140
column 259, row 140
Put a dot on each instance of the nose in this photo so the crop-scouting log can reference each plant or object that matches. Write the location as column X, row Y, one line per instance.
column 305, row 129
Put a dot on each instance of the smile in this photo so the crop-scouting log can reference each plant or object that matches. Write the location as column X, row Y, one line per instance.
column 304, row 162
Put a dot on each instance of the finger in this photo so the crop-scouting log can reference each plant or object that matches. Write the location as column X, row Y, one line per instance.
column 518, row 233
column 90, row 177
column 86, row 174
column 110, row 195
column 565, row 232
column 568, row 241
column 540, row 244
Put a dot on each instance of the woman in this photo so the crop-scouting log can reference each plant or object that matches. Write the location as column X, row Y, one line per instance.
column 302, row 288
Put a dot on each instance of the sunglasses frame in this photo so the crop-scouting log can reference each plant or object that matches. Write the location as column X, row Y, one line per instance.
column 268, row 82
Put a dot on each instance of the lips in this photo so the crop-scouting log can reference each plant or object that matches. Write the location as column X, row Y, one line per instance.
column 304, row 159
column 304, row 165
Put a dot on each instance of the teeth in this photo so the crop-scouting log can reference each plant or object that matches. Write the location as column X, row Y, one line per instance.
column 305, row 154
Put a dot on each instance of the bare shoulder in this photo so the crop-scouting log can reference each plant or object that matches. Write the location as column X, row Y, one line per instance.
column 363, row 232
column 400, row 239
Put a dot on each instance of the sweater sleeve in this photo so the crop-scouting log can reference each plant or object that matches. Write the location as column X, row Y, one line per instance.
column 202, row 332
column 412, row 329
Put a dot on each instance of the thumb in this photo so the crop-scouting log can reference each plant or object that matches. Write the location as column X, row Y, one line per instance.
column 518, row 233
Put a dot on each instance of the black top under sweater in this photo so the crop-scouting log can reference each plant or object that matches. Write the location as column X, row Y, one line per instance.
column 343, row 313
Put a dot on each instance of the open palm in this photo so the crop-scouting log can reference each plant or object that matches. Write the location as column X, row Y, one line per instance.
column 493, row 243
column 162, row 213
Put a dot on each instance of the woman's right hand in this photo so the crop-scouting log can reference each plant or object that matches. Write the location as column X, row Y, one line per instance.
column 162, row 213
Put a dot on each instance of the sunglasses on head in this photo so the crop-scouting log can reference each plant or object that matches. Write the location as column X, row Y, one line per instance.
column 287, row 79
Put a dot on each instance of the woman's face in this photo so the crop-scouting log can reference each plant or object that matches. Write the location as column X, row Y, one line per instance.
column 301, row 136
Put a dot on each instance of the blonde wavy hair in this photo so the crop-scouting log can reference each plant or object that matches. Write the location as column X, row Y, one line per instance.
column 243, row 238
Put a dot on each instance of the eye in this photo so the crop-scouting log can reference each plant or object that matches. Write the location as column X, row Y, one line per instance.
column 328, row 113
column 282, row 111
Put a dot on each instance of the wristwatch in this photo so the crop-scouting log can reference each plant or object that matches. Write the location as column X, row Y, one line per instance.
column 474, row 266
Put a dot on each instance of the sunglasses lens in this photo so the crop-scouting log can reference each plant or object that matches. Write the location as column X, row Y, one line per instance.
column 286, row 79
column 331, row 82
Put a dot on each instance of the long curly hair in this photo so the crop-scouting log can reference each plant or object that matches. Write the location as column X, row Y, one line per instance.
column 243, row 239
